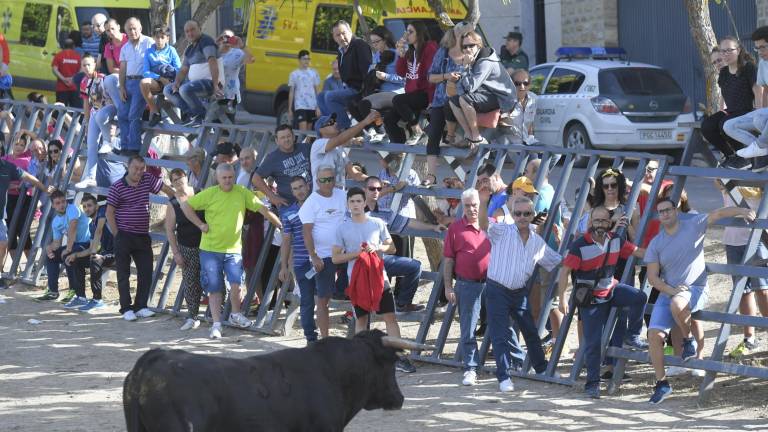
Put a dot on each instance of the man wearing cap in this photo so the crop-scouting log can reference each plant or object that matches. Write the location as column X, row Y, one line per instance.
column 131, row 72
column 291, row 159
column 327, row 150
column 512, row 55
column 161, row 64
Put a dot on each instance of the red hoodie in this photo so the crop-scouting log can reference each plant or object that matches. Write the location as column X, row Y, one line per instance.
column 417, row 76
column 366, row 286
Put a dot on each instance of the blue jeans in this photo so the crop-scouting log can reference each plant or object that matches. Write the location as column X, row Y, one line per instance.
column 75, row 277
column 500, row 303
column 112, row 87
column 336, row 102
column 469, row 300
column 97, row 133
column 189, row 97
column 129, row 116
column 213, row 267
column 307, row 305
column 594, row 318
column 410, row 271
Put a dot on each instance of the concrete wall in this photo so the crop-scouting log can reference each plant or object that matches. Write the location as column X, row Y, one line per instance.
column 497, row 19
column 762, row 12
column 554, row 24
column 589, row 23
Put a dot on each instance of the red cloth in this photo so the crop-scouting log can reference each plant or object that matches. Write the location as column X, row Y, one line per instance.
column 68, row 63
column 366, row 286
column 254, row 240
column 417, row 76
column 6, row 51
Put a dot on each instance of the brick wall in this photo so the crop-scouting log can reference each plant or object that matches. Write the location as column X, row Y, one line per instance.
column 591, row 22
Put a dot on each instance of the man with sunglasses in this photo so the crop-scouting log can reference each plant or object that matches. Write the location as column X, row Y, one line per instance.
column 593, row 257
column 328, row 149
column 516, row 250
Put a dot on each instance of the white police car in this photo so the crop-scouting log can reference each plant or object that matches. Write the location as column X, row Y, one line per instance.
column 593, row 98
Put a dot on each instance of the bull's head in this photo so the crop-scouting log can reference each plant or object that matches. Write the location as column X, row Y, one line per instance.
column 386, row 393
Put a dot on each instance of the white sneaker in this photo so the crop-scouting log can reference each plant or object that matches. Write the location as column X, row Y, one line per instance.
column 676, row 371
column 699, row 373
column 85, row 183
column 216, row 331
column 145, row 313
column 752, row 151
column 415, row 138
column 470, row 378
column 190, row 324
column 239, row 320
column 506, row 386
column 129, row 316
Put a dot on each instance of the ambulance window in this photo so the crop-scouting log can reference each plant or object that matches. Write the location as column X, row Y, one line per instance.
column 63, row 25
column 371, row 25
column 564, row 81
column 322, row 33
column 34, row 24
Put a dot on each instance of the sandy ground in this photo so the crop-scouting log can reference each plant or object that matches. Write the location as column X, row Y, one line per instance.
column 66, row 374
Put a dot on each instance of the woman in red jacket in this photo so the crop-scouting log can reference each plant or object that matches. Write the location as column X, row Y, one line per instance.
column 415, row 52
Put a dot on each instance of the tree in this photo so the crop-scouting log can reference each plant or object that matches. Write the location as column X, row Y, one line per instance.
column 704, row 38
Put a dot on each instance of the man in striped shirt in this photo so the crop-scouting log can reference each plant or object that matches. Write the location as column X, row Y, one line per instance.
column 516, row 249
column 128, row 219
column 588, row 261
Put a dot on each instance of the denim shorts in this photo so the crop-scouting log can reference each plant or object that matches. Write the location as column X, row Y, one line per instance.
column 3, row 231
column 661, row 317
column 325, row 280
column 215, row 265
column 734, row 254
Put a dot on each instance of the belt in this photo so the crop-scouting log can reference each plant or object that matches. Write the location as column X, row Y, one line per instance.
column 504, row 286
column 470, row 280
column 134, row 77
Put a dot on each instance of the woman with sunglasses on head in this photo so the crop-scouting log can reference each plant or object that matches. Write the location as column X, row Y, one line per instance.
column 521, row 118
column 483, row 87
column 415, row 52
column 737, row 80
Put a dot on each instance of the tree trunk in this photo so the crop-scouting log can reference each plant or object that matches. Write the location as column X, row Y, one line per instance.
column 704, row 37
column 433, row 247
column 159, row 14
column 473, row 14
column 361, row 22
column 204, row 10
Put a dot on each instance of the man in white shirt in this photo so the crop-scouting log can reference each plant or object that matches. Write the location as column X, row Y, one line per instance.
column 327, row 150
column 131, row 70
column 516, row 249
column 320, row 215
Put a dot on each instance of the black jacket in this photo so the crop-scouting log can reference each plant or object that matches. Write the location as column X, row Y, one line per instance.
column 354, row 64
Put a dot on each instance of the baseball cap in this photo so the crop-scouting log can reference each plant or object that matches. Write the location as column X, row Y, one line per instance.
column 525, row 184
column 324, row 121
column 514, row 35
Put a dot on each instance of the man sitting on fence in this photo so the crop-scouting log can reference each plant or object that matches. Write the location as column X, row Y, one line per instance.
column 221, row 245
column 68, row 220
column 676, row 268
column 129, row 113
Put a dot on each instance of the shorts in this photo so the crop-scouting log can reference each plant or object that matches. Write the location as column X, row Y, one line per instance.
column 325, row 280
column 3, row 231
column 303, row 115
column 661, row 317
column 545, row 278
column 734, row 254
column 482, row 100
column 215, row 265
column 386, row 305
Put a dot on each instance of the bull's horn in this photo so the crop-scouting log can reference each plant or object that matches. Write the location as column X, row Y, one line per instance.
column 400, row 343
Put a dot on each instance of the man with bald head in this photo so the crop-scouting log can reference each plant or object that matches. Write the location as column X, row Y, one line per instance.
column 200, row 65
column 221, row 246
column 131, row 72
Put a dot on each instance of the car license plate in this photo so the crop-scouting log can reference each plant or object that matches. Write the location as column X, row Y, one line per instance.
column 655, row 134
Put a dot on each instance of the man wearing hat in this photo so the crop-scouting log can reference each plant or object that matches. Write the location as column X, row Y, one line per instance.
column 511, row 53
column 327, row 151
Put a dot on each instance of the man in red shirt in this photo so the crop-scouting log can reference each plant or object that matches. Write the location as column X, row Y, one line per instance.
column 65, row 64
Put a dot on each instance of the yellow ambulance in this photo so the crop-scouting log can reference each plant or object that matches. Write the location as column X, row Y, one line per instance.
column 279, row 29
column 35, row 30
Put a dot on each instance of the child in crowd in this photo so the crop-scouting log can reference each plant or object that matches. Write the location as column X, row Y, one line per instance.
column 6, row 82
column 302, row 99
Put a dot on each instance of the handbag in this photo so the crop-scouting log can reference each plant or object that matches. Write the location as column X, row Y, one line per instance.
column 583, row 289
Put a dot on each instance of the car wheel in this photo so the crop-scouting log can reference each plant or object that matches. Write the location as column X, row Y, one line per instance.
column 577, row 138
column 282, row 113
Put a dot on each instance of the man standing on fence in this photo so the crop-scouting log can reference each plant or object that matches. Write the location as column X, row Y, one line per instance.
column 221, row 245
column 128, row 219
column 291, row 159
column 131, row 73
column 592, row 259
column 676, row 268
column 516, row 249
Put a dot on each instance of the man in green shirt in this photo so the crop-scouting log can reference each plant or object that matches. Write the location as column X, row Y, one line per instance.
column 220, row 247
column 512, row 55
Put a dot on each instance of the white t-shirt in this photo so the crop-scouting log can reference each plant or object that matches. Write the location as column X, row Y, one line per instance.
column 762, row 73
column 336, row 158
column 326, row 214
column 232, row 62
column 304, row 83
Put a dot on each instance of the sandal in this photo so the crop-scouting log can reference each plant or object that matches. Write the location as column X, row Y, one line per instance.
column 462, row 143
column 448, row 140
column 430, row 181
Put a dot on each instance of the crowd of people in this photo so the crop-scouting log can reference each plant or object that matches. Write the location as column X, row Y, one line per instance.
column 349, row 243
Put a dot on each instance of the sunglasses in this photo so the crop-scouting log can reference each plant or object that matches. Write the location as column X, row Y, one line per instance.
column 522, row 213
column 375, row 189
column 468, row 46
column 324, row 180
column 610, row 185
column 330, row 122
column 522, row 83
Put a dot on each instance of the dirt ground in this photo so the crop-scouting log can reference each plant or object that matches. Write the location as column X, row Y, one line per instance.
column 66, row 374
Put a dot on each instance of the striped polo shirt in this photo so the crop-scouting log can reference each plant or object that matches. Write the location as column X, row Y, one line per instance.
column 512, row 261
column 292, row 226
column 131, row 204
column 586, row 258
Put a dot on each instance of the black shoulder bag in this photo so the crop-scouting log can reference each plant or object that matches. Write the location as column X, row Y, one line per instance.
column 583, row 289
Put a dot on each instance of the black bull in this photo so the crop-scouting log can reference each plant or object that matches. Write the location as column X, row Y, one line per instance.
column 317, row 388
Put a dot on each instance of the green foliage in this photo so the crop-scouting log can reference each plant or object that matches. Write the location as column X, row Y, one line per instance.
column 34, row 24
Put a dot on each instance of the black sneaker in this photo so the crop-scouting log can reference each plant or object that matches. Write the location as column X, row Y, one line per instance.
column 3, row 284
column 410, row 307
column 608, row 375
column 154, row 119
column 760, row 164
column 735, row 162
column 404, row 365
column 481, row 330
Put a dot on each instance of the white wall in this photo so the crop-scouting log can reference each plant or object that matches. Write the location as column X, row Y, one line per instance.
column 554, row 24
column 497, row 19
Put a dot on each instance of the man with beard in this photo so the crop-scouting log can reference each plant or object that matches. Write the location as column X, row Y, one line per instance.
column 593, row 258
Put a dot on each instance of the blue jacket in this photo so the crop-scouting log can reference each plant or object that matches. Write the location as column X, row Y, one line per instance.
column 393, row 81
column 6, row 82
column 155, row 58
column 442, row 63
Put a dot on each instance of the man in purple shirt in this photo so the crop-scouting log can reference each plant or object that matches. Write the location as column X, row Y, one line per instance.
column 128, row 219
